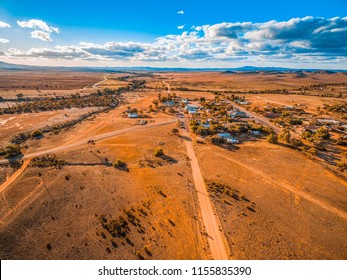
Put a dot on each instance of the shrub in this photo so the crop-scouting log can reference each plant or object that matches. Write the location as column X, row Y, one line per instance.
column 119, row 163
column 12, row 151
column 36, row 134
column 272, row 138
column 158, row 152
column 174, row 130
column 284, row 135
column 341, row 141
column 312, row 151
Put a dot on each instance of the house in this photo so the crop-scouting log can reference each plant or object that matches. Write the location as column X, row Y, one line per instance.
column 185, row 100
column 233, row 140
column 169, row 103
column 328, row 121
column 238, row 114
column 310, row 128
column 224, row 135
column 192, row 107
column 244, row 102
column 289, row 108
column 133, row 115
column 272, row 115
column 192, row 111
column 206, row 125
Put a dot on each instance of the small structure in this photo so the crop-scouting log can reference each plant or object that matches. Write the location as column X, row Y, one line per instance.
column 206, row 125
column 310, row 128
column 328, row 121
column 244, row 102
column 232, row 140
column 133, row 115
column 238, row 114
column 256, row 132
column 191, row 107
column 192, row 111
column 224, row 135
column 169, row 103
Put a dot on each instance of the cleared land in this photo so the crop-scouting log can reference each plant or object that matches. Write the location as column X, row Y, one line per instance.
column 99, row 189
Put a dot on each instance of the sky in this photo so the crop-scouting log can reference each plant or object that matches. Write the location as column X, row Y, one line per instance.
column 175, row 33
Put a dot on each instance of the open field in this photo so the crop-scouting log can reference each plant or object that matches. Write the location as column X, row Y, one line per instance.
column 102, row 188
column 261, row 80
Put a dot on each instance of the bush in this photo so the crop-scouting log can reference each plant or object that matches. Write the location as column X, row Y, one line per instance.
column 341, row 141
column 158, row 152
column 284, row 135
column 272, row 138
column 312, row 151
column 12, row 151
column 119, row 163
column 36, row 134
column 174, row 130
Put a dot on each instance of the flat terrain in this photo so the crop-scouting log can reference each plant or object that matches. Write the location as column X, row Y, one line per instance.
column 250, row 200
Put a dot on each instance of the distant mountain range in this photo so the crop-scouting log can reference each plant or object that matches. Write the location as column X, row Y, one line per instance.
column 14, row 67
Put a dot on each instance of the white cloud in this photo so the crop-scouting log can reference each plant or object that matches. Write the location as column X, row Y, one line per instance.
column 300, row 39
column 41, row 35
column 4, row 41
column 180, row 26
column 4, row 24
column 180, row 12
column 42, row 30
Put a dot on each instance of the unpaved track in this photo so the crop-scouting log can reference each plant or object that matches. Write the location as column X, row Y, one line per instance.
column 215, row 236
column 15, row 175
column 95, row 138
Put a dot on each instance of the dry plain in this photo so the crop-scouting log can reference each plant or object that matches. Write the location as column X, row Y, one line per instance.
column 277, row 202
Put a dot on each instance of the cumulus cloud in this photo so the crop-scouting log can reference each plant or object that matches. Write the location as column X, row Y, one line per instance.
column 180, row 12
column 308, row 39
column 42, row 30
column 180, row 26
column 4, row 24
column 4, row 41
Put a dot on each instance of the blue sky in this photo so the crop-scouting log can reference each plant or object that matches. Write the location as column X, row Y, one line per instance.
column 176, row 33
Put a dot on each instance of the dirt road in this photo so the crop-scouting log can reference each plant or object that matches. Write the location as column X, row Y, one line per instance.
column 94, row 138
column 15, row 175
column 216, row 238
column 260, row 119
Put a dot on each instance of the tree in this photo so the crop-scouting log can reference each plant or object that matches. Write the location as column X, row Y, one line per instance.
column 36, row 134
column 174, row 130
column 158, row 152
column 272, row 138
column 322, row 133
column 284, row 135
column 12, row 151
column 119, row 163
column 312, row 151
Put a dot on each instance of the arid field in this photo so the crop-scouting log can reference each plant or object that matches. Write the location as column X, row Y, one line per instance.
column 173, row 165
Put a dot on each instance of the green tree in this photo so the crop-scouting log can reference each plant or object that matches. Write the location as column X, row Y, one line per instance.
column 284, row 136
column 272, row 138
column 158, row 152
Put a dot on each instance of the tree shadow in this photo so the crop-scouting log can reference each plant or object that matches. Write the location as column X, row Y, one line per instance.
column 185, row 138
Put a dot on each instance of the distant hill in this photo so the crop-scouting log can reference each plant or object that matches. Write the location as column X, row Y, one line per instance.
column 247, row 69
